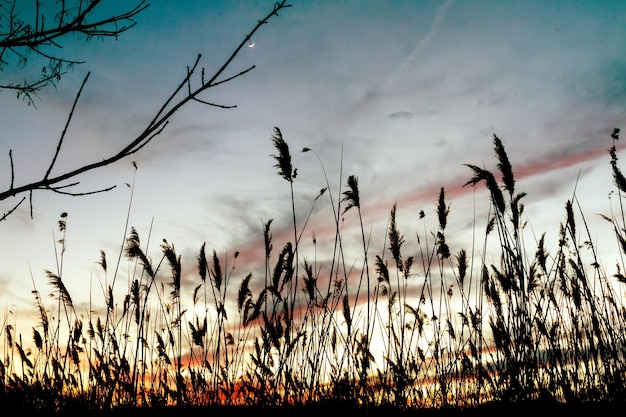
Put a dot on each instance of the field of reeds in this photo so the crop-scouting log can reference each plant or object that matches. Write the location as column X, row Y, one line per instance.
column 438, row 328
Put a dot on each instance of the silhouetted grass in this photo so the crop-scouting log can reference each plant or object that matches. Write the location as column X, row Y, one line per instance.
column 454, row 331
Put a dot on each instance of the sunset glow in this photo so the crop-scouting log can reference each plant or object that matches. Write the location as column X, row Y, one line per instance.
column 416, row 203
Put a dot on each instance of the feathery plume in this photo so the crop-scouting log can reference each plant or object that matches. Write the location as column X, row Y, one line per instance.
column 483, row 175
column 283, row 158
column 244, row 295
column 504, row 165
column 395, row 239
column 351, row 195
column 174, row 261
column 58, row 284
column 133, row 251
column 202, row 263
column 216, row 271
column 442, row 210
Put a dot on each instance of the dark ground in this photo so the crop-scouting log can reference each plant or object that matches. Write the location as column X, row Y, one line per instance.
column 531, row 409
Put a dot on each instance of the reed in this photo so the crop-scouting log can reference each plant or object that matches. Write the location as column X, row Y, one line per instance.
column 454, row 327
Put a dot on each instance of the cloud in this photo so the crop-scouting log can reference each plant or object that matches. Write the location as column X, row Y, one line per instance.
column 400, row 96
column 401, row 114
column 421, row 45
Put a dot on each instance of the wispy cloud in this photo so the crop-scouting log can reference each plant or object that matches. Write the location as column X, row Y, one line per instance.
column 400, row 94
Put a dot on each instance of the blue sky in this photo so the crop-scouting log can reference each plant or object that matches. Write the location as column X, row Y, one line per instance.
column 399, row 93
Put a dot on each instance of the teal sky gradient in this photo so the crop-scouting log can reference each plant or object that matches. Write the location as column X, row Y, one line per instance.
column 399, row 93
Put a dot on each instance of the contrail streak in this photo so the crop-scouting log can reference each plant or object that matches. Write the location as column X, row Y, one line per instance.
column 423, row 43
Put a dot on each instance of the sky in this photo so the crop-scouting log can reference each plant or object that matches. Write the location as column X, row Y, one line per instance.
column 401, row 94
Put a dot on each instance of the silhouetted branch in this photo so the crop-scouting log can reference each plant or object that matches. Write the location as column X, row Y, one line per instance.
column 221, row 106
column 69, row 119
column 58, row 190
column 8, row 213
column 155, row 127
column 19, row 38
column 12, row 168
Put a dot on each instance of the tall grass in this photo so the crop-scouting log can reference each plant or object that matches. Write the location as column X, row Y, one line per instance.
column 436, row 327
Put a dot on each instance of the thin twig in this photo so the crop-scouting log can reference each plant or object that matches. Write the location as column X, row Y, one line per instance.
column 67, row 123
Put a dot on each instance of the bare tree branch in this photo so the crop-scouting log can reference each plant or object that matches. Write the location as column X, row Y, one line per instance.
column 12, row 168
column 8, row 213
column 58, row 190
column 155, row 127
column 20, row 38
column 69, row 118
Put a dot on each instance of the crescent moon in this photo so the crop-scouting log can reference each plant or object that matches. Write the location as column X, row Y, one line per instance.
column 251, row 45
